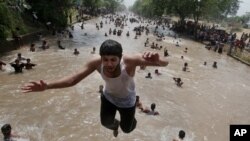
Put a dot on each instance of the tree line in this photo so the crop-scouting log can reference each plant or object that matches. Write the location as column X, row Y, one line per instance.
column 16, row 13
column 195, row 9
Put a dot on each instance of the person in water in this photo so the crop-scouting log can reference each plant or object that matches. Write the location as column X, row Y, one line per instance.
column 17, row 66
column 178, row 81
column 118, row 71
column 186, row 49
column 138, row 103
column 205, row 63
column 152, row 111
column 185, row 68
column 127, row 34
column 215, row 65
column 157, row 72
column 7, row 133
column 93, row 51
column 149, row 76
column 32, row 48
column 44, row 45
column 29, row 65
column 181, row 136
column 166, row 52
column 20, row 58
column 76, row 52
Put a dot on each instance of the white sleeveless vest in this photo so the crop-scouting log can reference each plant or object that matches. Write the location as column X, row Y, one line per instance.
column 120, row 90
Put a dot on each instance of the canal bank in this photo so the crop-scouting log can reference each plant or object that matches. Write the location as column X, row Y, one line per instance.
column 12, row 44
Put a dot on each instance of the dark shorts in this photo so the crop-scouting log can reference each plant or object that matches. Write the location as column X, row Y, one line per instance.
column 108, row 112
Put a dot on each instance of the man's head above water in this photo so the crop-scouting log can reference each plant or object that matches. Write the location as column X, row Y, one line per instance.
column 111, row 54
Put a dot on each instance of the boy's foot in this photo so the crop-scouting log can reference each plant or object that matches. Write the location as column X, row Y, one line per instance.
column 115, row 133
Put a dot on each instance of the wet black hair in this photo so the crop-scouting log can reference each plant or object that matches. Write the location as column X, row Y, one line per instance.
column 181, row 134
column 111, row 47
column 6, row 129
column 156, row 71
column 178, row 80
column 153, row 106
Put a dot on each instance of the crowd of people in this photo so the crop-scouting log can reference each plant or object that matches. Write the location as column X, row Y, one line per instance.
column 216, row 36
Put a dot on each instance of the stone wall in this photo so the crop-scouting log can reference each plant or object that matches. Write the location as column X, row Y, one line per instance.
column 27, row 39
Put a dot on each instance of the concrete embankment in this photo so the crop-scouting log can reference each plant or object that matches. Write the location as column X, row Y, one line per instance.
column 11, row 44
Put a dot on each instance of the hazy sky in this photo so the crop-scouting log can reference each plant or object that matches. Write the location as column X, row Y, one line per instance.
column 244, row 6
column 129, row 2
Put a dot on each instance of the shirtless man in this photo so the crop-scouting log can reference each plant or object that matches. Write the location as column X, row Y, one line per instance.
column 152, row 111
column 18, row 66
column 119, row 93
column 149, row 76
column 29, row 65
column 76, row 52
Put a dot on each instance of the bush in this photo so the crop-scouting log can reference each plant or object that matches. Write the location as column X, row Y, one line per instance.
column 10, row 19
column 3, row 32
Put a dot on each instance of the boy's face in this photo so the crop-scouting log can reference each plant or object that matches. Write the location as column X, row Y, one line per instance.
column 110, row 62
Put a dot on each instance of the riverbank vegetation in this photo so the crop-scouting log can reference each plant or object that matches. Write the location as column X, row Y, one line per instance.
column 10, row 19
column 196, row 9
column 25, row 16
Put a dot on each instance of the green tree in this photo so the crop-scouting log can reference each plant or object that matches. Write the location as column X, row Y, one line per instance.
column 92, row 4
column 187, row 8
column 219, row 9
column 55, row 11
column 145, row 8
column 112, row 5
column 10, row 19
column 182, row 8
